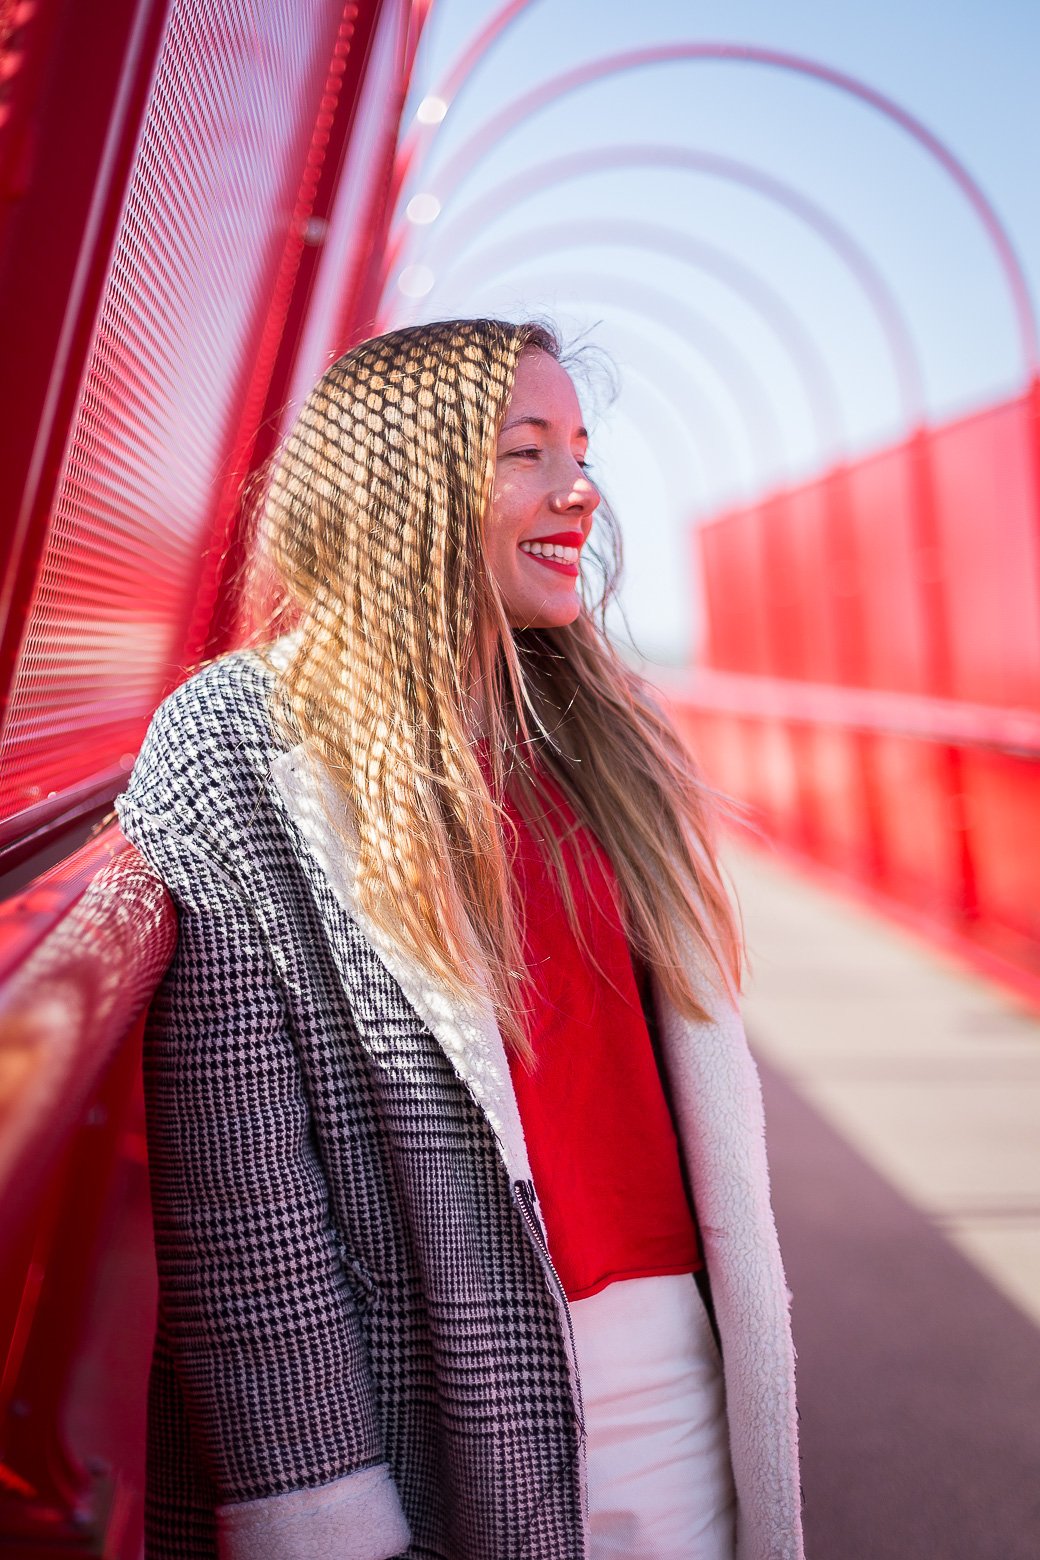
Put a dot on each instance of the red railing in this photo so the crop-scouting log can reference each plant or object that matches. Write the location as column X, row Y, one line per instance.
column 82, row 952
column 870, row 679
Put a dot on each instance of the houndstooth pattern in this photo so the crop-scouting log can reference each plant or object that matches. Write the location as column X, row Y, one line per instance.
column 345, row 1274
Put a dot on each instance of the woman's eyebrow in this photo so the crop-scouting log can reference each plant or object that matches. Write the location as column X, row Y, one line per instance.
column 541, row 422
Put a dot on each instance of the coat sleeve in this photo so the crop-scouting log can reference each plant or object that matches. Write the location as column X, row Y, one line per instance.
column 253, row 1299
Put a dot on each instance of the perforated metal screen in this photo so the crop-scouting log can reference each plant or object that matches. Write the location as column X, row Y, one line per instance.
column 182, row 355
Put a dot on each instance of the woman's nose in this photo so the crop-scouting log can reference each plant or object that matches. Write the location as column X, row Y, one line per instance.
column 580, row 494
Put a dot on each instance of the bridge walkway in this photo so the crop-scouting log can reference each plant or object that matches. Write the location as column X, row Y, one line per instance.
column 903, row 1101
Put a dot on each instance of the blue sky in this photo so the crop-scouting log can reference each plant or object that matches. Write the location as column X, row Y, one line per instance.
column 713, row 407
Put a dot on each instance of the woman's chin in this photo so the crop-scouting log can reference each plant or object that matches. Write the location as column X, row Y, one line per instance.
column 547, row 614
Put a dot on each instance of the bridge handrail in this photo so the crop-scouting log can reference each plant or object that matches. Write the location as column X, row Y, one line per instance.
column 955, row 722
column 81, row 951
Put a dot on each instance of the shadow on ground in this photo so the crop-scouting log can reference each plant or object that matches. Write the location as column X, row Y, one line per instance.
column 919, row 1383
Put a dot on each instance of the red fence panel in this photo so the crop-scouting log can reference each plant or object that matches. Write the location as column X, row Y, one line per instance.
column 983, row 472
column 734, row 590
column 190, row 323
column 246, row 151
column 888, row 565
column 914, row 572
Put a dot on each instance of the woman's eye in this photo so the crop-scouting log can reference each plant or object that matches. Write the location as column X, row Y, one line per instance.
column 532, row 452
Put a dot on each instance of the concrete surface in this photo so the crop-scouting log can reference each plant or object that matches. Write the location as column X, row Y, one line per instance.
column 902, row 1097
column 930, row 1071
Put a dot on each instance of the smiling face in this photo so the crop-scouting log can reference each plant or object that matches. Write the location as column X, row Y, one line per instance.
column 543, row 503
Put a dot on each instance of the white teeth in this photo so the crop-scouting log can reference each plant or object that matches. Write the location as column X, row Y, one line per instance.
column 551, row 550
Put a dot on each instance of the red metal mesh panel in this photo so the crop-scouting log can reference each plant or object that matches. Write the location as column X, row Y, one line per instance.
column 914, row 572
column 824, row 569
column 881, row 494
column 332, row 325
column 986, row 504
column 160, row 417
column 1003, row 799
column 797, row 589
column 734, row 590
column 921, row 850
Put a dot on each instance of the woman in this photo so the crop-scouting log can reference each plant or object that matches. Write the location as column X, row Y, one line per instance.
column 452, row 1121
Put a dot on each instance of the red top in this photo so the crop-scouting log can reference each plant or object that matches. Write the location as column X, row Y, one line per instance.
column 599, row 1134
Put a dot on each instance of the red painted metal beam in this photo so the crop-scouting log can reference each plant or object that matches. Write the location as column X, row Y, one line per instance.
column 82, row 961
column 947, row 721
column 82, row 948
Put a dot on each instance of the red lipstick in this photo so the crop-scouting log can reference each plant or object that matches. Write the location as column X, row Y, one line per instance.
column 564, row 538
column 573, row 539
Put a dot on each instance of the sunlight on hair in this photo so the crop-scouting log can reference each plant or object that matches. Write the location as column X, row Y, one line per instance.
column 370, row 533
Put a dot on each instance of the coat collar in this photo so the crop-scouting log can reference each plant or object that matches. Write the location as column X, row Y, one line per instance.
column 468, row 1033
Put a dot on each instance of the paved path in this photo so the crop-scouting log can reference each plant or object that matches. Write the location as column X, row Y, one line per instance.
column 903, row 1097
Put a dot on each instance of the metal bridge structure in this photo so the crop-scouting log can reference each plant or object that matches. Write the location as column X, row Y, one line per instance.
column 203, row 205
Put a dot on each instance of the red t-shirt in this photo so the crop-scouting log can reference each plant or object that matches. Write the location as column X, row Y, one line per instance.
column 602, row 1146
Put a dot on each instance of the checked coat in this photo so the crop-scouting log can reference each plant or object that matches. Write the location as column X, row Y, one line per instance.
column 362, row 1348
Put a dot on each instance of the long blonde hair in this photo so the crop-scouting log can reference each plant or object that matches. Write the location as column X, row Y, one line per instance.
column 372, row 524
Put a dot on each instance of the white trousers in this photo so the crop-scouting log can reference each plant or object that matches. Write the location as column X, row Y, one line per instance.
column 659, row 1479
